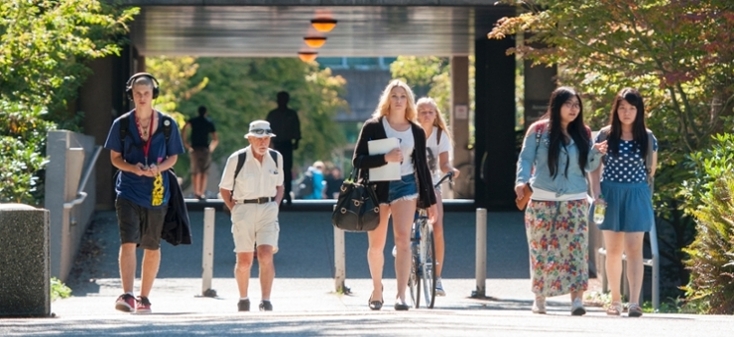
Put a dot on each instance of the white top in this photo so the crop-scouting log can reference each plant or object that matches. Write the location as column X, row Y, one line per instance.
column 407, row 144
column 543, row 195
column 255, row 180
column 433, row 149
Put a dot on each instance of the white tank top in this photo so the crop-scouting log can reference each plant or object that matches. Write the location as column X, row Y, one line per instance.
column 407, row 144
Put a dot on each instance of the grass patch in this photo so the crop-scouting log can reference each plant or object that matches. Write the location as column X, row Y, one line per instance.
column 59, row 289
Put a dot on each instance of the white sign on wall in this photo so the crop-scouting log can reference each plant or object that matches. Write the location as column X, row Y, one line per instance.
column 461, row 112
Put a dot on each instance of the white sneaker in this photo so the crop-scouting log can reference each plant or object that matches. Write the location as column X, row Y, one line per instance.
column 439, row 288
column 539, row 305
column 394, row 251
column 577, row 307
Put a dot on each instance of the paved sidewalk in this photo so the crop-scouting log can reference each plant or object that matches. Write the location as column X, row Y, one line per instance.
column 304, row 300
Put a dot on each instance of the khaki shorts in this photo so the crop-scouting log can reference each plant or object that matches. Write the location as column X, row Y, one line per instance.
column 201, row 159
column 255, row 223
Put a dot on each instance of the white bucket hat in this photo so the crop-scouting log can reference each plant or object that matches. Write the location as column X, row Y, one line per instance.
column 260, row 129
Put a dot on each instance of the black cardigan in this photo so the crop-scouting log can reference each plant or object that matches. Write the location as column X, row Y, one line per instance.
column 373, row 129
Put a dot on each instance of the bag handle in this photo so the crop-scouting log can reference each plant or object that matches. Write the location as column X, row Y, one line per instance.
column 354, row 176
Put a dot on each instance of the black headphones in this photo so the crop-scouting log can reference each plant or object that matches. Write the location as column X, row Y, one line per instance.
column 131, row 81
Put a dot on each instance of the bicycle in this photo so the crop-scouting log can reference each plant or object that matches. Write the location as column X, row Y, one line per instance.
column 423, row 261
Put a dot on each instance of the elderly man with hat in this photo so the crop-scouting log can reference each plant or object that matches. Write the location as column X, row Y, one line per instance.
column 252, row 188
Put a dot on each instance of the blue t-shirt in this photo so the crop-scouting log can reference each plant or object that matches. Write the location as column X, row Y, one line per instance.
column 628, row 166
column 144, row 191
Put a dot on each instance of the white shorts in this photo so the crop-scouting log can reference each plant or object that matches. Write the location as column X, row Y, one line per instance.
column 255, row 223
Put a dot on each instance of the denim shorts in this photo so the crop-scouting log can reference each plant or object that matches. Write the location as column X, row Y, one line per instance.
column 403, row 189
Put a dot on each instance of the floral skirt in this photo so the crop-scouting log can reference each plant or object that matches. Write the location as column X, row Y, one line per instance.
column 557, row 233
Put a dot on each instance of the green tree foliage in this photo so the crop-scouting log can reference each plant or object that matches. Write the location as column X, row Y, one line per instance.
column 711, row 255
column 240, row 90
column 44, row 44
column 43, row 47
column 22, row 141
column 173, row 74
column 680, row 54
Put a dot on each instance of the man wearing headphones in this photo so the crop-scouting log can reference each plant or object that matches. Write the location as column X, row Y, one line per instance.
column 142, row 153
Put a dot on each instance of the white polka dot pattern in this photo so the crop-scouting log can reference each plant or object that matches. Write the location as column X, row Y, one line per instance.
column 626, row 167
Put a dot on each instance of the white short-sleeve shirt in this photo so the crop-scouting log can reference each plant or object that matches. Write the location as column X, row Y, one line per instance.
column 255, row 180
column 434, row 148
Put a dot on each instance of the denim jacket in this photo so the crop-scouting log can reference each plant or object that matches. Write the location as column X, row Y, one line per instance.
column 536, row 156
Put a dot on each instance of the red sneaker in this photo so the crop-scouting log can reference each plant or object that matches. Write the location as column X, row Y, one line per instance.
column 125, row 302
column 143, row 305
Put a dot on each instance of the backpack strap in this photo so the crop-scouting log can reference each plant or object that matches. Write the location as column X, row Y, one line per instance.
column 241, row 162
column 438, row 136
column 167, row 125
column 648, row 157
column 604, row 133
column 124, row 126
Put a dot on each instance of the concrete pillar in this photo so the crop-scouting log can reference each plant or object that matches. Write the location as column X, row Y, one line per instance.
column 459, row 121
column 25, row 272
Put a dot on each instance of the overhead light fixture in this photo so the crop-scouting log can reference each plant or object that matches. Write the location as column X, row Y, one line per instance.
column 307, row 56
column 314, row 41
column 323, row 25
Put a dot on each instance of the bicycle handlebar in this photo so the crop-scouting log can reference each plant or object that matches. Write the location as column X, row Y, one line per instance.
column 449, row 176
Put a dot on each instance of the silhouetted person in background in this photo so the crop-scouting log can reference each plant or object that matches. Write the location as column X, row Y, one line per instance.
column 287, row 126
column 200, row 149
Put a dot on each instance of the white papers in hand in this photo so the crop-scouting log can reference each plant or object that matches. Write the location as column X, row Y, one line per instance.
column 388, row 172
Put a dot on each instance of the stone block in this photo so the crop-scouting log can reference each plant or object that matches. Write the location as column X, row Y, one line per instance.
column 25, row 270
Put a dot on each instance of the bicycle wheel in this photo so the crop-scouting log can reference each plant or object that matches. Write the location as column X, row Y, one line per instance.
column 414, row 281
column 428, row 276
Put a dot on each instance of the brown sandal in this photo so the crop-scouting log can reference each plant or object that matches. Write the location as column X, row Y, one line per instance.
column 634, row 310
column 614, row 309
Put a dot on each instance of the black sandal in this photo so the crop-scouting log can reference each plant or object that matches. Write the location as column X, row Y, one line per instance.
column 376, row 305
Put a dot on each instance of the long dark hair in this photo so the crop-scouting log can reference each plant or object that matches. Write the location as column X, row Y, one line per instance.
column 639, row 131
column 576, row 129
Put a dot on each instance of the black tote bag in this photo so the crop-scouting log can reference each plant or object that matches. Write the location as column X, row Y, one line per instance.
column 357, row 208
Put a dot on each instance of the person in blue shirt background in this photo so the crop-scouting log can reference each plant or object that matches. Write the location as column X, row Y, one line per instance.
column 317, row 173
column 142, row 159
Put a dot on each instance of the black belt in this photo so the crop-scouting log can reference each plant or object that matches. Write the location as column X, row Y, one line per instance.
column 263, row 200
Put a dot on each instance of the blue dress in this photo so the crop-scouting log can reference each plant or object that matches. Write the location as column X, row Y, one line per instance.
column 625, row 190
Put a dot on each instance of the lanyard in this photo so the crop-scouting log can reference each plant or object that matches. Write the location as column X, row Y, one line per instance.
column 146, row 144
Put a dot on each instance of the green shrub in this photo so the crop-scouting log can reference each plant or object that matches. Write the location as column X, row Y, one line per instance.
column 59, row 289
column 711, row 255
column 22, row 148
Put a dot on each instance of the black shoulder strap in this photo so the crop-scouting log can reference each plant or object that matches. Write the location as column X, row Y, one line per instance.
column 167, row 125
column 438, row 136
column 124, row 125
column 241, row 161
column 274, row 155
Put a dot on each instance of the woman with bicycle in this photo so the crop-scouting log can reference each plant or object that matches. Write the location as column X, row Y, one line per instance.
column 556, row 155
column 438, row 145
column 394, row 117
